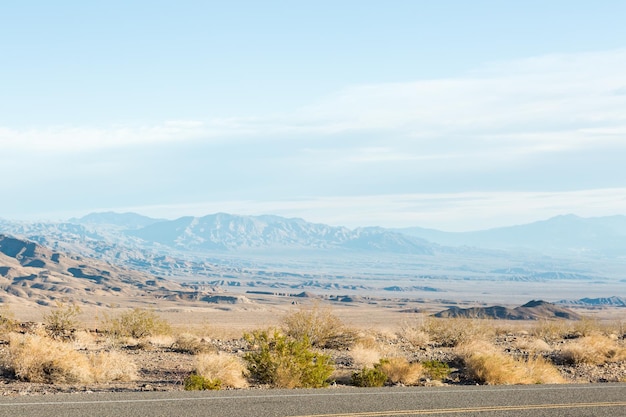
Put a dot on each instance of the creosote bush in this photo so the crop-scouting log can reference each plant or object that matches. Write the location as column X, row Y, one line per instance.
column 436, row 370
column 284, row 362
column 196, row 382
column 137, row 323
column 369, row 377
column 61, row 322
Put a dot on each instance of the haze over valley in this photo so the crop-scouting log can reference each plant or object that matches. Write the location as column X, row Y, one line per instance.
column 562, row 259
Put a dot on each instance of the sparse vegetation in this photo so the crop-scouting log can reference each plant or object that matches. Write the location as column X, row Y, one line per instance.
column 456, row 331
column 137, row 323
column 284, row 362
column 196, row 382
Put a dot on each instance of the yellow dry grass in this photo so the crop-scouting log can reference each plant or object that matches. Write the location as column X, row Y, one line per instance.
column 36, row 358
column 224, row 367
column 490, row 366
column 595, row 349
column 400, row 370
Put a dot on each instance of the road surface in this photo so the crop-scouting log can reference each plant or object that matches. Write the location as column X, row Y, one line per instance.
column 538, row 400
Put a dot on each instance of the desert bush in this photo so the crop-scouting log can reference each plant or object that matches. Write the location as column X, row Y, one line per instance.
column 400, row 370
column 137, row 323
column 451, row 332
column 111, row 366
column 319, row 325
column 369, row 377
column 227, row 369
column 188, row 343
column 492, row 367
column 196, row 382
column 8, row 323
column 550, row 330
column 365, row 355
column 413, row 331
column 35, row 358
column 436, row 370
column 61, row 322
column 594, row 350
column 281, row 361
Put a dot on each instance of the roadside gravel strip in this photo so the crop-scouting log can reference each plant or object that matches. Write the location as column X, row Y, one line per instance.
column 557, row 400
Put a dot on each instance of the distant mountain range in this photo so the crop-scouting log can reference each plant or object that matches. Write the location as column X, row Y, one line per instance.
column 560, row 234
column 225, row 247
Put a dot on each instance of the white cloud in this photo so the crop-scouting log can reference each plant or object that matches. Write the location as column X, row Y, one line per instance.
column 540, row 104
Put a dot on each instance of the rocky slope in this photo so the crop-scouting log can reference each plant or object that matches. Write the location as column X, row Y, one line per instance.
column 32, row 273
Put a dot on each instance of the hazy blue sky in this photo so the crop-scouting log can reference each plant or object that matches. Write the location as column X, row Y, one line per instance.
column 456, row 115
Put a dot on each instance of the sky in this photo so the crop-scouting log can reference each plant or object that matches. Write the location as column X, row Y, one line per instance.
column 452, row 115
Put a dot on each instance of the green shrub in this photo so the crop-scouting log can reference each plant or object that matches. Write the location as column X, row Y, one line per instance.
column 436, row 370
column 137, row 323
column 196, row 382
column 61, row 322
column 369, row 377
column 283, row 362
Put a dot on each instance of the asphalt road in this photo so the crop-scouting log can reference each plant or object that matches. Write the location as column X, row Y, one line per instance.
column 539, row 400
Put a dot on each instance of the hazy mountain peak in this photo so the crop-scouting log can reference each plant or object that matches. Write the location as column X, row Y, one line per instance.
column 124, row 220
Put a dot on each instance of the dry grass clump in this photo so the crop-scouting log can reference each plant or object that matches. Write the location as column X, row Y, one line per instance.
column 364, row 355
column 492, row 367
column 400, row 371
column 534, row 346
column 594, row 350
column 111, row 366
column 319, row 326
column 189, row 343
column 35, row 358
column 228, row 369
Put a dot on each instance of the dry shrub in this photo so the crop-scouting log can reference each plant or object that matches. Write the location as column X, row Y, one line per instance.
column 451, row 332
column 534, row 346
column 492, row 367
column 34, row 358
column 413, row 331
column 228, row 369
column 551, row 330
column 364, row 356
column 594, row 350
column 61, row 323
column 400, row 370
column 188, row 343
column 112, row 366
column 318, row 325
column 137, row 323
